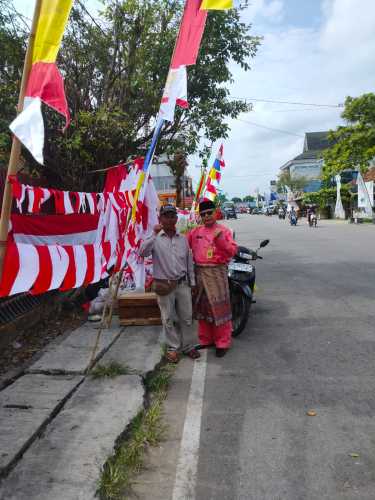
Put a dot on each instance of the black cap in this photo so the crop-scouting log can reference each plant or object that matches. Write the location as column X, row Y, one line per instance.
column 168, row 209
column 206, row 205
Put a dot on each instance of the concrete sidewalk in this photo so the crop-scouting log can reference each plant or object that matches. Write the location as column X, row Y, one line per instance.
column 59, row 426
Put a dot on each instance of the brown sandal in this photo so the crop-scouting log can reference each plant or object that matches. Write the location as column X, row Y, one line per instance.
column 172, row 356
column 193, row 354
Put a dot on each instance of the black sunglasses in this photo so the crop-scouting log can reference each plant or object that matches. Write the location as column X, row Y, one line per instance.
column 207, row 212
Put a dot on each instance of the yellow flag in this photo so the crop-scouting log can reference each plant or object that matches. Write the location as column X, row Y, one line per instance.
column 212, row 174
column 137, row 191
column 216, row 4
column 50, row 29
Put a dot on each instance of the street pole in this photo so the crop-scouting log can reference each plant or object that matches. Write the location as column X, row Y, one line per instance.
column 13, row 165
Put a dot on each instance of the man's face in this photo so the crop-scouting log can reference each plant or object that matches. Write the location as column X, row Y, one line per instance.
column 208, row 217
column 168, row 221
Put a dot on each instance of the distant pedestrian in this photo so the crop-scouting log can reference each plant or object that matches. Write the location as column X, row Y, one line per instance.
column 213, row 247
column 173, row 273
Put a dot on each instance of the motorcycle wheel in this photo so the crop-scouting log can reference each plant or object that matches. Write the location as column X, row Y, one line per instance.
column 240, row 305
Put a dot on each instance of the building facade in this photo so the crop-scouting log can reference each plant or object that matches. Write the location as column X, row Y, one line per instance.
column 309, row 163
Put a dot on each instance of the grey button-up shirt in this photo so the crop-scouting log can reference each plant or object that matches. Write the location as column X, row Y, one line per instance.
column 171, row 257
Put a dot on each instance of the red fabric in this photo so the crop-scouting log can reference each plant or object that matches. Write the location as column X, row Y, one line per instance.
column 76, row 201
column 38, row 195
column 190, row 34
column 70, row 278
column 45, row 81
column 114, row 177
column 89, row 249
column 11, row 268
column 209, row 333
column 16, row 187
column 53, row 224
column 43, row 281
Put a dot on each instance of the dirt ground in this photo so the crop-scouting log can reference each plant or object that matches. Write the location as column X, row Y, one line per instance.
column 31, row 341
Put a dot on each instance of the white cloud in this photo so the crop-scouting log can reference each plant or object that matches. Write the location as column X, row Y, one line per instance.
column 320, row 64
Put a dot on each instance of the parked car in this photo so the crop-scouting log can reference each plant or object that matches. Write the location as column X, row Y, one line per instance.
column 229, row 210
column 256, row 211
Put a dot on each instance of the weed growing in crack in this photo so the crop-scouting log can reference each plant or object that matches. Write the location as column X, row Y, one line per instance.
column 147, row 429
column 112, row 370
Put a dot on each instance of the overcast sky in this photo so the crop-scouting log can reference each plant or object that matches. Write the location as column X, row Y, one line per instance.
column 314, row 51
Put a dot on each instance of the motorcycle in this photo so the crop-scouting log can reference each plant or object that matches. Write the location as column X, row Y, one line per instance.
column 281, row 214
column 241, row 276
column 313, row 220
column 293, row 219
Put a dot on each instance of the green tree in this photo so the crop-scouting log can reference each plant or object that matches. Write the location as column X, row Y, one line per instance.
column 12, row 49
column 354, row 143
column 236, row 200
column 115, row 70
column 249, row 198
column 221, row 198
column 178, row 166
column 295, row 183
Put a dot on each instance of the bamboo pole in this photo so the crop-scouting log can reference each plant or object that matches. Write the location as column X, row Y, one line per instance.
column 13, row 165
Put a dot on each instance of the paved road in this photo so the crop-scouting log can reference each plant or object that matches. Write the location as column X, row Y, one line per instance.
column 309, row 344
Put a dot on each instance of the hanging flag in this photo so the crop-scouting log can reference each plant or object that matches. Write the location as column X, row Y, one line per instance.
column 45, row 83
column 217, row 4
column 200, row 187
column 215, row 172
column 175, row 92
column 190, row 35
column 185, row 54
column 210, row 192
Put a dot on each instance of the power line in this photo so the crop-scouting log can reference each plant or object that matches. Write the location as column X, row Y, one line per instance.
column 270, row 128
column 83, row 7
column 271, row 101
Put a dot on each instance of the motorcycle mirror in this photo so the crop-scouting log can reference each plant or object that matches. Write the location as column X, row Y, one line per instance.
column 264, row 243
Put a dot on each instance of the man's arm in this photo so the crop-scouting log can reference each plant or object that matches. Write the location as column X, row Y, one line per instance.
column 190, row 268
column 225, row 242
column 147, row 246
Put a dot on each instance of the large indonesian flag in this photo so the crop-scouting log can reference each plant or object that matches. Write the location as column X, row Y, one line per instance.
column 45, row 83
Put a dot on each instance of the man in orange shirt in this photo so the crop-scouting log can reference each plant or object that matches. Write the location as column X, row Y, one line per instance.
column 213, row 247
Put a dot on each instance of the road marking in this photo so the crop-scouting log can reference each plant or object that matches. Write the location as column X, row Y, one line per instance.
column 187, row 465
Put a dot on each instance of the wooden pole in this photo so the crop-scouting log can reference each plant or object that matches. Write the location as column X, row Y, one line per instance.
column 13, row 165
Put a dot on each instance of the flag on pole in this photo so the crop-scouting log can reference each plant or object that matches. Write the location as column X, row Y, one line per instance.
column 215, row 172
column 45, row 83
column 217, row 4
column 185, row 54
column 200, row 187
column 211, row 191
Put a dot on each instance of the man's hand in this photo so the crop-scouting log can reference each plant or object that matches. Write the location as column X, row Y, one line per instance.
column 158, row 228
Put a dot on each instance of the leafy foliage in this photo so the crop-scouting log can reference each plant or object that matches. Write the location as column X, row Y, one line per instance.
column 236, row 200
column 178, row 166
column 249, row 198
column 12, row 48
column 327, row 195
column 115, row 69
column 295, row 183
column 354, row 143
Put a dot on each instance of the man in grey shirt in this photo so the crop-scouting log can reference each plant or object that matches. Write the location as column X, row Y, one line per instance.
column 173, row 270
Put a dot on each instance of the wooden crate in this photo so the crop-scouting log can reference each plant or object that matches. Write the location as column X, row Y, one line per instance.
column 139, row 309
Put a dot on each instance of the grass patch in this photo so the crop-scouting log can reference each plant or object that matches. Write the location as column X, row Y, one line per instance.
column 158, row 382
column 146, row 430
column 111, row 371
